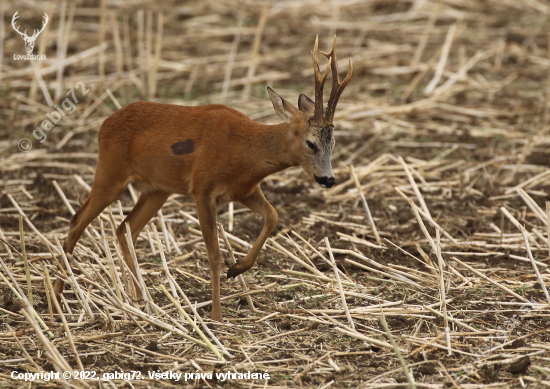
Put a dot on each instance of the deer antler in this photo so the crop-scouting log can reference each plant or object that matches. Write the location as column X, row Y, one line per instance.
column 337, row 87
column 319, row 84
column 15, row 16
column 44, row 23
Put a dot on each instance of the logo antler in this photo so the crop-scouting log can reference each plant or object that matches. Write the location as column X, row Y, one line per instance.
column 29, row 40
column 23, row 34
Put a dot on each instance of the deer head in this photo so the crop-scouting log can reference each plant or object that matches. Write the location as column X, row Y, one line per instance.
column 311, row 130
column 29, row 40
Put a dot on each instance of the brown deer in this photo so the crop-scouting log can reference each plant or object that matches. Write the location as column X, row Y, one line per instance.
column 214, row 153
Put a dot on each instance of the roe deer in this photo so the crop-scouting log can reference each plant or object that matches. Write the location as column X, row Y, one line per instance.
column 214, row 153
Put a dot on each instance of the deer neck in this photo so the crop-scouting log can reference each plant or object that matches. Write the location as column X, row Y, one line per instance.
column 274, row 153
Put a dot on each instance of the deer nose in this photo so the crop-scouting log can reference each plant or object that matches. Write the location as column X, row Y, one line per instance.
column 325, row 182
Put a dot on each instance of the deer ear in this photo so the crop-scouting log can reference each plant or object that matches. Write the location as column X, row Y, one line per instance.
column 305, row 104
column 283, row 108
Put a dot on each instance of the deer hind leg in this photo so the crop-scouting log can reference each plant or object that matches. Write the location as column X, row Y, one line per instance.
column 257, row 203
column 148, row 204
column 103, row 193
column 206, row 209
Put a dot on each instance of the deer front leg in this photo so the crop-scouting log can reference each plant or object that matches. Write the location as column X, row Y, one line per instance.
column 206, row 209
column 257, row 203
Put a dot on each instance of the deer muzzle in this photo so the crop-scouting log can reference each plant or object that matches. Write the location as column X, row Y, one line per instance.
column 325, row 182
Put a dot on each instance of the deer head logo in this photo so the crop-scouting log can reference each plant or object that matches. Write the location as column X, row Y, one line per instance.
column 29, row 40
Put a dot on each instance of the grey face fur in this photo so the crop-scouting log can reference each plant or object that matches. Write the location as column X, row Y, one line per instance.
column 312, row 145
column 322, row 167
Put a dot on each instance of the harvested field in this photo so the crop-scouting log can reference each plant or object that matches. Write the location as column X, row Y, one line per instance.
column 427, row 265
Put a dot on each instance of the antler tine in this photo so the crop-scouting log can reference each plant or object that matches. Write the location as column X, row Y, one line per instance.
column 44, row 23
column 319, row 84
column 337, row 87
column 13, row 19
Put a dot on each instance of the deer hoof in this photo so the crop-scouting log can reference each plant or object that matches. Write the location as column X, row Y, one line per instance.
column 232, row 272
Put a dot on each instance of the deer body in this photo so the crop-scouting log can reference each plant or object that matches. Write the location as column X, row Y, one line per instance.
column 142, row 143
column 214, row 153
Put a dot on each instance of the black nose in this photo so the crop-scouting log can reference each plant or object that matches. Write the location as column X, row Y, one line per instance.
column 325, row 182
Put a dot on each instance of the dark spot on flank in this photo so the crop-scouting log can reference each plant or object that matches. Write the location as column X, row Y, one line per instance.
column 181, row 148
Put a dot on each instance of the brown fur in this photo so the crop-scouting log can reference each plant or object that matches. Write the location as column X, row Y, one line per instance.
column 231, row 156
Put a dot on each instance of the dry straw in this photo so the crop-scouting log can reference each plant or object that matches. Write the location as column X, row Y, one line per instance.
column 438, row 216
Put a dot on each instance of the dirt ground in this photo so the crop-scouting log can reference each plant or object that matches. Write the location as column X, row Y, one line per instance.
column 445, row 122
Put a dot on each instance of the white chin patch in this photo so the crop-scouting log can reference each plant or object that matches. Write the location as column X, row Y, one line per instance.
column 323, row 185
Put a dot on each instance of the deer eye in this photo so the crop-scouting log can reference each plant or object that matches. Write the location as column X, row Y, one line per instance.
column 310, row 145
